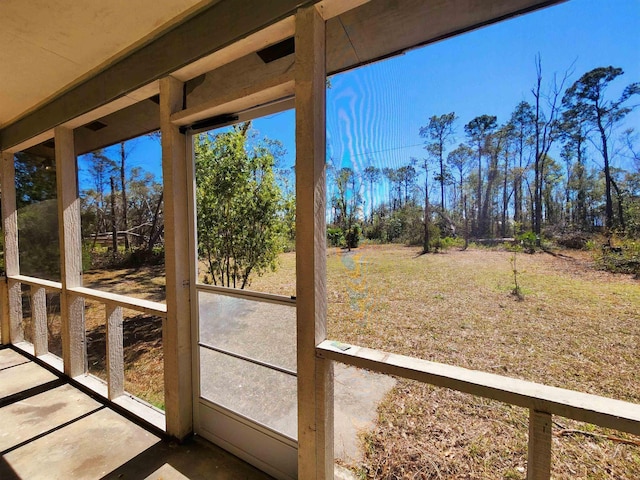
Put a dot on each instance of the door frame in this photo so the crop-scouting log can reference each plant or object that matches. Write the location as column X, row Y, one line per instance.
column 230, row 430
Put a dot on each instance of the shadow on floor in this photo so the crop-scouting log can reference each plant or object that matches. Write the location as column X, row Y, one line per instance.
column 50, row 429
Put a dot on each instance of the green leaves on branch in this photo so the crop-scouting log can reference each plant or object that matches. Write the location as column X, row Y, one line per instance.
column 240, row 212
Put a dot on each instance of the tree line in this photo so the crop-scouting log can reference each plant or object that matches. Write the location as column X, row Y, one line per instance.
column 502, row 179
column 121, row 206
column 559, row 163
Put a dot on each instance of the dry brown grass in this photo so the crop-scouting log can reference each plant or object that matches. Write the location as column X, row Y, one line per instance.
column 576, row 328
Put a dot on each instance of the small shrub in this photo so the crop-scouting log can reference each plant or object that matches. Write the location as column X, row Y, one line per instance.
column 620, row 256
column 445, row 243
column 528, row 241
column 352, row 236
column 335, row 238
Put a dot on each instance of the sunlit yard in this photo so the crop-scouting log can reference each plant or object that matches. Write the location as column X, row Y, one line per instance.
column 576, row 328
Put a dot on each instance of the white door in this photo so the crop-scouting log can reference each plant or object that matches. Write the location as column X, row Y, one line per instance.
column 245, row 360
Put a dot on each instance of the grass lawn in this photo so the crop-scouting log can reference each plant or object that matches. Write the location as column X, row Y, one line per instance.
column 576, row 328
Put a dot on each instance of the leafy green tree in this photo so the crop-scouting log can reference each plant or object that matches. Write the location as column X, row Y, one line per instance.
column 586, row 97
column 238, row 202
column 37, row 215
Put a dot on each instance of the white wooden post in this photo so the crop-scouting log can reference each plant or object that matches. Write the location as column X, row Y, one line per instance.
column 115, row 351
column 315, row 375
column 539, row 453
column 39, row 320
column 11, row 255
column 176, row 329
column 71, row 306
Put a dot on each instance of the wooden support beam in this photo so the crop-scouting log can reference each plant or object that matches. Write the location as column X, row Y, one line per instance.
column 39, row 320
column 539, row 454
column 315, row 375
column 4, row 312
column 71, row 305
column 11, row 256
column 176, row 328
column 115, row 351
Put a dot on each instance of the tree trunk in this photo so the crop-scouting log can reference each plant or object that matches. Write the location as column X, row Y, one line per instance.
column 123, row 185
column 478, row 227
column 623, row 225
column 607, row 173
column 155, row 231
column 505, row 198
column 114, row 227
column 426, row 239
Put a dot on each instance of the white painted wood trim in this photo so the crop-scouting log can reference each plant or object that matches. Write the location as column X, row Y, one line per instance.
column 115, row 351
column 142, row 409
column 137, row 304
column 539, row 450
column 584, row 407
column 71, row 307
column 11, row 255
column 36, row 282
column 39, row 320
column 315, row 376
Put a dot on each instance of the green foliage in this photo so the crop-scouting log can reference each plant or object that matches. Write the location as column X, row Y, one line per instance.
column 352, row 238
column 238, row 206
column 86, row 257
column 528, row 241
column 619, row 256
column 35, row 179
column 335, row 238
column 38, row 240
column 445, row 243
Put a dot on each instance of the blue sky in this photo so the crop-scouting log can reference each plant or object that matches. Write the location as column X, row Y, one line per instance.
column 374, row 113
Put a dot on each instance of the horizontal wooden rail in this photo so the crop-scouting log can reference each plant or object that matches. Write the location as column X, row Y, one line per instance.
column 36, row 282
column 247, row 294
column 140, row 305
column 584, row 407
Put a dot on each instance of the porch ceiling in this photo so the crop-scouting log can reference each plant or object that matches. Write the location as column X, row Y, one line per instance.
column 46, row 46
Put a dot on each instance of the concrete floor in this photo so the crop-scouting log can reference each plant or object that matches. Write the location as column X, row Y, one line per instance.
column 51, row 430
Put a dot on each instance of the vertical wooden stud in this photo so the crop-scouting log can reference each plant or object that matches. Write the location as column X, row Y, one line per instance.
column 315, row 376
column 39, row 320
column 176, row 329
column 71, row 306
column 11, row 255
column 539, row 454
column 4, row 312
column 115, row 351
